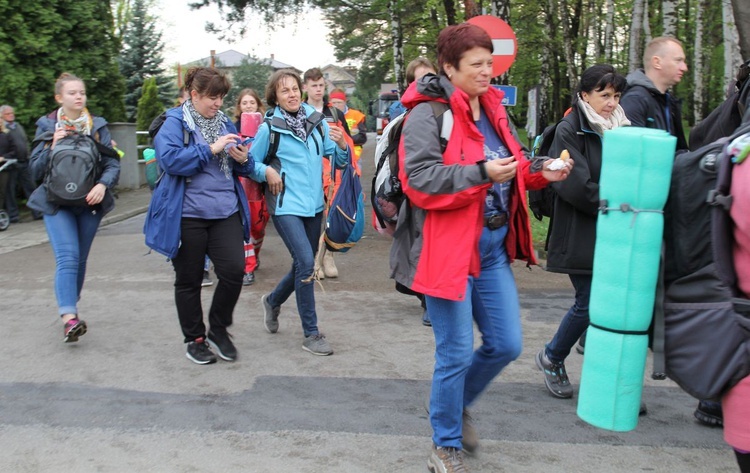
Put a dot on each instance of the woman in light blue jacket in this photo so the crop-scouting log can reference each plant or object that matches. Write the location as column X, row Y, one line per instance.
column 288, row 154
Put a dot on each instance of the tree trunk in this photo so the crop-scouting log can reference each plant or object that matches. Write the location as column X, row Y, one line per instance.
column 609, row 30
column 646, row 27
column 587, row 29
column 471, row 9
column 732, row 59
column 569, row 38
column 698, row 65
column 450, row 12
column 634, row 48
column 397, row 37
column 550, row 108
column 669, row 17
column 501, row 9
column 742, row 20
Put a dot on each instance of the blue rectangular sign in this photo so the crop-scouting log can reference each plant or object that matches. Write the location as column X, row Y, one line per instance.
column 510, row 94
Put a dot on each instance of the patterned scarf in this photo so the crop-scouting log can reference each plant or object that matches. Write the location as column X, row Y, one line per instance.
column 599, row 123
column 210, row 128
column 81, row 125
column 296, row 122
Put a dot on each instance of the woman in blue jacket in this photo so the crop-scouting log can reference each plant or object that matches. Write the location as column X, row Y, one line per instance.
column 71, row 229
column 199, row 208
column 294, row 194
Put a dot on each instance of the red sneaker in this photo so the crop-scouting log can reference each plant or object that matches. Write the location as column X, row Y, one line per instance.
column 73, row 329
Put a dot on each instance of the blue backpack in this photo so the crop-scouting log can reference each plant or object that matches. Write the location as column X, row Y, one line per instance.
column 345, row 221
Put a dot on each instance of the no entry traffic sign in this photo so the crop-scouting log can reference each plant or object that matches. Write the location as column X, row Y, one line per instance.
column 503, row 41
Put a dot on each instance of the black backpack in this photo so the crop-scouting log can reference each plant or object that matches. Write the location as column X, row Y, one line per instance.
column 153, row 171
column 727, row 117
column 542, row 201
column 72, row 170
column 156, row 124
column 702, row 332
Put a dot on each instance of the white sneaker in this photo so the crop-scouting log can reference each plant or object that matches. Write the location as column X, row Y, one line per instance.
column 329, row 266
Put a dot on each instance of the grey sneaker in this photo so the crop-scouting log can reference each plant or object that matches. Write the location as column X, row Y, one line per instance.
column 199, row 352
column 317, row 345
column 270, row 315
column 206, row 280
column 446, row 460
column 470, row 439
column 555, row 376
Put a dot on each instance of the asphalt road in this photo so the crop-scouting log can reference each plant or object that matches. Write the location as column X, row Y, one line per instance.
column 125, row 398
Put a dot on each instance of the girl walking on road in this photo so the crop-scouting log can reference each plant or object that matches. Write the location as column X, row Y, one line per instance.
column 71, row 228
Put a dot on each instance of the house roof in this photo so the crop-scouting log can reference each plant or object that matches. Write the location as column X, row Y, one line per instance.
column 347, row 75
column 232, row 58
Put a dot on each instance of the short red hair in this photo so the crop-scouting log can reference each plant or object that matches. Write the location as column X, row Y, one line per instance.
column 455, row 40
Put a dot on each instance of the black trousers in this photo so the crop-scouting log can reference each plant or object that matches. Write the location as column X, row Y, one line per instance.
column 222, row 241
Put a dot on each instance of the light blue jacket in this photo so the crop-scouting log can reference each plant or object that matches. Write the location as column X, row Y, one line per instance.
column 179, row 162
column 299, row 163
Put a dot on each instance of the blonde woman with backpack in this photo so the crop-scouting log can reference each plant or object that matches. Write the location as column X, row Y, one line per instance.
column 71, row 228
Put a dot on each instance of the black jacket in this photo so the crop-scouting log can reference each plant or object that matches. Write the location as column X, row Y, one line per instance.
column 7, row 146
column 572, row 232
column 646, row 106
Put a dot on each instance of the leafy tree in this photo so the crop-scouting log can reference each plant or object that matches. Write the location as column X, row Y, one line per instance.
column 150, row 106
column 40, row 40
column 251, row 73
column 557, row 39
column 141, row 58
column 121, row 14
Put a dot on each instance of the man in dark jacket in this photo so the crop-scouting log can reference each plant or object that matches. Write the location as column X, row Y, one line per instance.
column 647, row 101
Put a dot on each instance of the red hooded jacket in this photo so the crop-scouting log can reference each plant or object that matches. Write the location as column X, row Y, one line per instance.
column 436, row 243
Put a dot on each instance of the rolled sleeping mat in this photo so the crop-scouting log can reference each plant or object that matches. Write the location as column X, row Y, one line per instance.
column 611, row 386
column 623, row 287
column 633, row 188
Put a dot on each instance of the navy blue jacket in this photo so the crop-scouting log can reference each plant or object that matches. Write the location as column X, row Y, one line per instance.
column 45, row 128
column 179, row 162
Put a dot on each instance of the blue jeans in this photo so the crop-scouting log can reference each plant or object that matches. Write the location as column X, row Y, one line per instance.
column 575, row 322
column 461, row 373
column 71, row 231
column 301, row 236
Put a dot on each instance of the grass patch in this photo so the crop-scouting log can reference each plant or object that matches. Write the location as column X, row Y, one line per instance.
column 539, row 234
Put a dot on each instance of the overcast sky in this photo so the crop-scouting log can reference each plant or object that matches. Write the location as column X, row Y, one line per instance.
column 185, row 38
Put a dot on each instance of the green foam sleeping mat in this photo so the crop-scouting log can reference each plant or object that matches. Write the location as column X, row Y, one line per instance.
column 633, row 188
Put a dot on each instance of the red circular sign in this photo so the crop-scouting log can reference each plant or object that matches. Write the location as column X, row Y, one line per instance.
column 503, row 41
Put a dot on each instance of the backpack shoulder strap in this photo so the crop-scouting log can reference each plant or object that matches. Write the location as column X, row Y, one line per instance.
column 273, row 142
column 439, row 109
column 157, row 123
column 722, row 238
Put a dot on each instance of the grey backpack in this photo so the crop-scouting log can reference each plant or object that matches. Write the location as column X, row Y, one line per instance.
column 72, row 170
column 702, row 336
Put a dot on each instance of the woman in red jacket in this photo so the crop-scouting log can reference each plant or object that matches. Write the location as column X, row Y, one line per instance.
column 465, row 223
